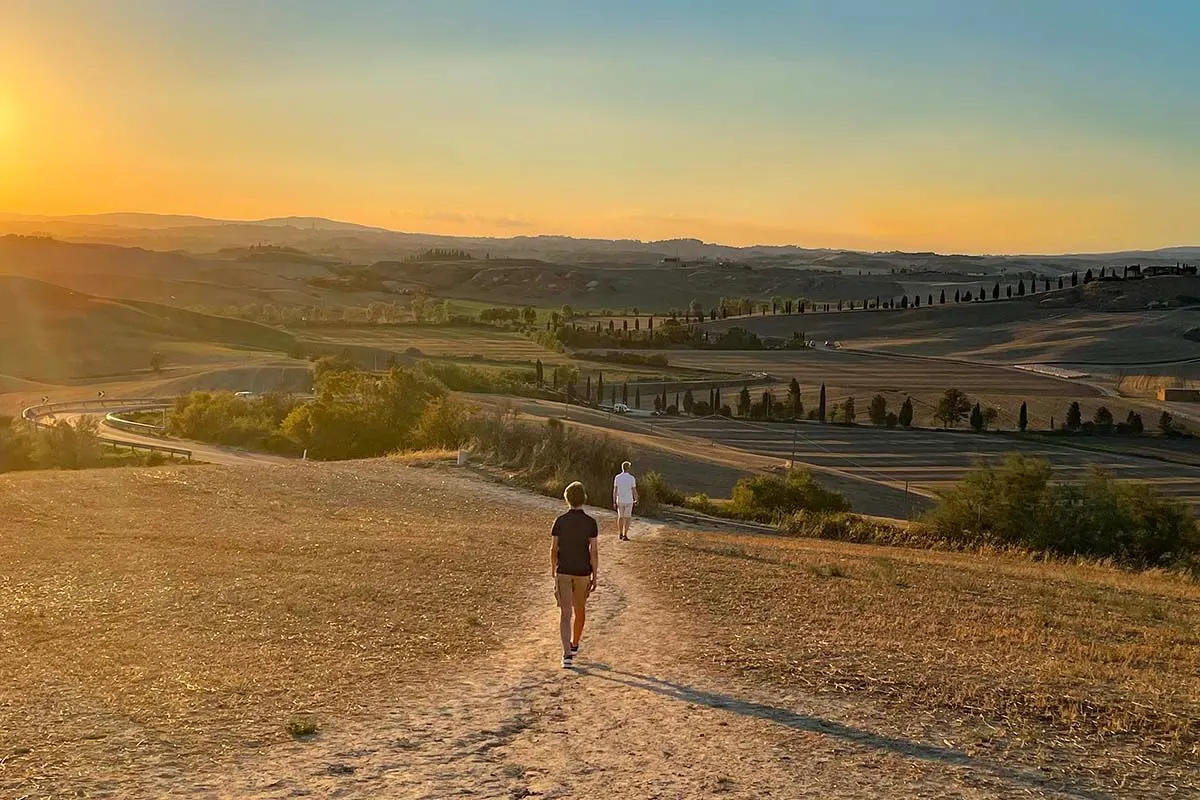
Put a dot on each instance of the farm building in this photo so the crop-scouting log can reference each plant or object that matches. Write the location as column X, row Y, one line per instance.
column 1179, row 395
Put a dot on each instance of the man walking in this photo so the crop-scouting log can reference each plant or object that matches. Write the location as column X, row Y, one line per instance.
column 575, row 564
column 625, row 494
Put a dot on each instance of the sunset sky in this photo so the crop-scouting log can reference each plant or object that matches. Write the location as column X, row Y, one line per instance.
column 951, row 125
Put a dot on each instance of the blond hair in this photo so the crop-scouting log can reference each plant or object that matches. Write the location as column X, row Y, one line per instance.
column 625, row 465
column 575, row 494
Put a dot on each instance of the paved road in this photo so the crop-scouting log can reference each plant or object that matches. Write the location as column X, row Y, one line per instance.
column 208, row 453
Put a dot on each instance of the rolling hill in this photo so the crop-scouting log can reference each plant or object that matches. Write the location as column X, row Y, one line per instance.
column 52, row 334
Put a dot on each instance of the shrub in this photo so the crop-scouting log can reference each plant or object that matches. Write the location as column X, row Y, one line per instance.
column 845, row 527
column 459, row 378
column 550, row 455
column 224, row 418
column 653, row 491
column 358, row 415
column 1017, row 505
column 445, row 423
column 769, row 498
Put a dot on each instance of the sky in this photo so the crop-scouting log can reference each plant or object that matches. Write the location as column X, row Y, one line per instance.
column 1023, row 126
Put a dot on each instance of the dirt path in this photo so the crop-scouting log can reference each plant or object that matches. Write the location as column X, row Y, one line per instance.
column 633, row 720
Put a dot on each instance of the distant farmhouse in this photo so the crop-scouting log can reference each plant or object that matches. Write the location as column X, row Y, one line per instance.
column 1179, row 395
column 1138, row 271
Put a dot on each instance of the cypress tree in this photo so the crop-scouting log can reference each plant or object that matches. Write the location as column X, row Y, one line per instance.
column 821, row 404
column 906, row 413
column 1023, row 418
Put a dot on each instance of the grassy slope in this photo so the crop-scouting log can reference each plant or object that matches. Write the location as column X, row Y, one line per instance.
column 1072, row 663
column 51, row 333
column 1061, row 326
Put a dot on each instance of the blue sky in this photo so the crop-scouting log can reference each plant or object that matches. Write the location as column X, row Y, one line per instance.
column 925, row 124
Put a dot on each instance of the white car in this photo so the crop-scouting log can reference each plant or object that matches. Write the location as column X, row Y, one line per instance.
column 620, row 408
column 244, row 395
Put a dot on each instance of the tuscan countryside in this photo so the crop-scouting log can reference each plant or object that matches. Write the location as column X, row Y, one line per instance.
column 779, row 399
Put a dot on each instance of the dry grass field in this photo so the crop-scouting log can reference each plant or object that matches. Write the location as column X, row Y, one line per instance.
column 488, row 343
column 156, row 622
column 863, row 375
column 867, row 372
column 1053, row 328
column 1084, row 670
column 927, row 460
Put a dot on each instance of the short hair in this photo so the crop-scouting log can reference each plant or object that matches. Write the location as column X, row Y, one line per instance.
column 574, row 494
column 625, row 465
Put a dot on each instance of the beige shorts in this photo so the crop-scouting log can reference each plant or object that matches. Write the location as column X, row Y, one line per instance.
column 624, row 510
column 572, row 590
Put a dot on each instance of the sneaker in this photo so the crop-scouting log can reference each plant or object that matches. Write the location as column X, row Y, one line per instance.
column 575, row 650
column 568, row 663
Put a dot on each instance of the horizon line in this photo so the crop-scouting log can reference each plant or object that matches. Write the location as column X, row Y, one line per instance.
column 379, row 228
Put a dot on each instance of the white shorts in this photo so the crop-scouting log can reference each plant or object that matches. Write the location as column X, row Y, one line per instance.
column 624, row 510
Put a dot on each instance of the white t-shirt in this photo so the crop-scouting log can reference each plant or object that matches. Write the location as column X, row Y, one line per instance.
column 624, row 484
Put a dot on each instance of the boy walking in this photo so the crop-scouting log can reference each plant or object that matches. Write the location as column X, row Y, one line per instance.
column 625, row 494
column 575, row 564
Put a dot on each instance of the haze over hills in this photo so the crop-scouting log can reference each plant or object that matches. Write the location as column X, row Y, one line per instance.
column 171, row 231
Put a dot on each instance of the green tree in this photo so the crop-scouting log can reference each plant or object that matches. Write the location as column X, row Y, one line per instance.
column 529, row 316
column 952, row 408
column 1103, row 418
column 743, row 406
column 821, row 404
column 157, row 361
column 1134, row 421
column 1074, row 417
column 689, row 402
column 906, row 413
column 625, row 394
column 1023, row 417
column 796, row 405
column 878, row 410
column 848, row 412
column 977, row 418
column 600, row 387
column 1166, row 424
column 539, row 372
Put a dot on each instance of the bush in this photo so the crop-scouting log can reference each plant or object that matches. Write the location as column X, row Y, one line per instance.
column 459, row 378
column 1017, row 505
column 223, row 418
column 59, row 446
column 445, row 424
column 550, row 455
column 769, row 498
column 653, row 491
column 359, row 415
column 845, row 527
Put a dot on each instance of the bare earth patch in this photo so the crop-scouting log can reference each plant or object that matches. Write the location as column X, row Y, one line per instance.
column 174, row 618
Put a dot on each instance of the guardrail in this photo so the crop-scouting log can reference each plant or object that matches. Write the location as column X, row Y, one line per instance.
column 146, row 429
column 34, row 414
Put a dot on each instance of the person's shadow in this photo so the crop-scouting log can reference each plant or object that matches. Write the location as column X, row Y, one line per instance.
column 1016, row 777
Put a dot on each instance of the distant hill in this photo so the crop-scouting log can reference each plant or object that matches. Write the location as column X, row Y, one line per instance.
column 52, row 334
column 321, row 235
